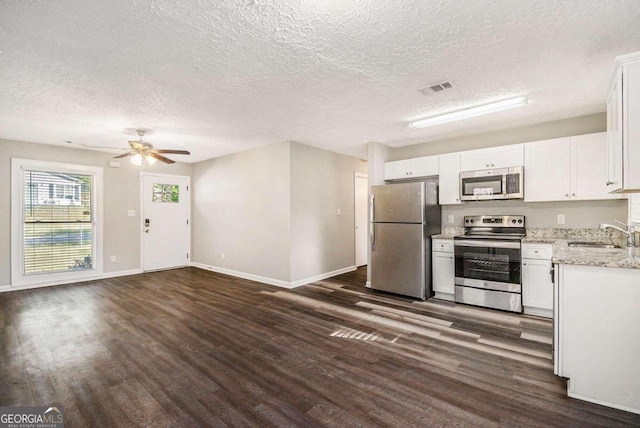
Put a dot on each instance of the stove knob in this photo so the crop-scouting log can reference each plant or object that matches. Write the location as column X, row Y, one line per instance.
column 472, row 221
column 520, row 221
column 513, row 221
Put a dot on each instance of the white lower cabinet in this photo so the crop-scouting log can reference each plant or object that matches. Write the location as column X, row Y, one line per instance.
column 443, row 267
column 537, row 285
column 596, row 340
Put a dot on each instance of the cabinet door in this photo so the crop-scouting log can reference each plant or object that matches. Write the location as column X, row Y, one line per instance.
column 614, row 135
column 443, row 273
column 504, row 157
column 474, row 160
column 398, row 169
column 449, row 190
column 547, row 175
column 589, row 167
column 425, row 166
column 537, row 288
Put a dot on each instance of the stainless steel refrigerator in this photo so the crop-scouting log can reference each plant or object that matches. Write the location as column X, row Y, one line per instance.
column 403, row 218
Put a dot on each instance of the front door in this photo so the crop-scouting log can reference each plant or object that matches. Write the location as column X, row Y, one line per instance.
column 165, row 221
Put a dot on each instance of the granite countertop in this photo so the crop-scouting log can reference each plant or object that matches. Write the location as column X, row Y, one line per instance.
column 563, row 254
column 443, row 236
column 450, row 232
column 604, row 257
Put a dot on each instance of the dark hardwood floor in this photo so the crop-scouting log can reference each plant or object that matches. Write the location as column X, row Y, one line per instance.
column 189, row 347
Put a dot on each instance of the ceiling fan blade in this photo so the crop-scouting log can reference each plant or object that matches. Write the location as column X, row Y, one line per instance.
column 160, row 158
column 124, row 155
column 136, row 145
column 173, row 152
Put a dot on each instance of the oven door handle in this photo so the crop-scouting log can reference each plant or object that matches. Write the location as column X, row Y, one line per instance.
column 486, row 244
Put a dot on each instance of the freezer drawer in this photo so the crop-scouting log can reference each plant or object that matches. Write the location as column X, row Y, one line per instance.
column 398, row 259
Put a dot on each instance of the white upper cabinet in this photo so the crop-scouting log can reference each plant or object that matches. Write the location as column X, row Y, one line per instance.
column 449, row 187
column 589, row 167
column 546, row 170
column 570, row 168
column 623, row 125
column 411, row 168
column 495, row 157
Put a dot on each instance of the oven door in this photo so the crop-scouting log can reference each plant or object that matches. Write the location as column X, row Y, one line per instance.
column 488, row 274
column 489, row 264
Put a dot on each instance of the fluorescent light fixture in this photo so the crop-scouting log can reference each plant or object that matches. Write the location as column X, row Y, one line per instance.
column 469, row 112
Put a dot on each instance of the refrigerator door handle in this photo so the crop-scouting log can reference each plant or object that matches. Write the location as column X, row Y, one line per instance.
column 372, row 229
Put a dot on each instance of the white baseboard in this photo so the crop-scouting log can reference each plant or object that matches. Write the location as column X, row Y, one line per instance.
column 322, row 276
column 601, row 402
column 7, row 288
column 272, row 281
column 546, row 313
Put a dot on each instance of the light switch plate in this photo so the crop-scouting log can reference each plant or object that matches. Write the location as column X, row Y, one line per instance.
column 560, row 218
column 451, row 218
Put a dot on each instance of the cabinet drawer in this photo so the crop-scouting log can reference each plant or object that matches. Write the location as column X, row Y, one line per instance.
column 537, row 251
column 443, row 245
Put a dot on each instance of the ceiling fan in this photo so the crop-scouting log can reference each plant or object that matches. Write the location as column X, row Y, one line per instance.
column 141, row 150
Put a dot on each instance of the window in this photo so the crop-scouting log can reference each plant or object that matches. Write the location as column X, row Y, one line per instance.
column 166, row 193
column 55, row 221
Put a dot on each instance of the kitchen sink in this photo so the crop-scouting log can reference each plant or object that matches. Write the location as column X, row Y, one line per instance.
column 580, row 244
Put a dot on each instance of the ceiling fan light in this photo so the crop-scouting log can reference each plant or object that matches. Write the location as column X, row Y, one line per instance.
column 150, row 159
column 136, row 159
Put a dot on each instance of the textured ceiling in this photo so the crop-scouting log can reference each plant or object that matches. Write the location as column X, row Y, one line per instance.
column 217, row 77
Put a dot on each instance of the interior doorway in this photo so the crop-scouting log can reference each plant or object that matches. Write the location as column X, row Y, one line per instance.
column 361, row 192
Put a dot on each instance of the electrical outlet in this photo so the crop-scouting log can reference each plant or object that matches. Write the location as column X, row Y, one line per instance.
column 560, row 218
column 113, row 259
column 450, row 218
column 222, row 256
column 131, row 213
column 338, row 212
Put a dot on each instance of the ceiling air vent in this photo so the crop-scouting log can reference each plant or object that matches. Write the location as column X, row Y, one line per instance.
column 437, row 87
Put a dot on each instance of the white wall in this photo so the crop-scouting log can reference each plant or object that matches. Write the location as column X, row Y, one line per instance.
column 241, row 207
column 539, row 214
column 121, row 193
column 272, row 212
column 321, row 183
column 578, row 214
column 542, row 131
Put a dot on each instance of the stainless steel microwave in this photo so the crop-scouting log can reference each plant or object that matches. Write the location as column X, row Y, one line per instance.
column 488, row 184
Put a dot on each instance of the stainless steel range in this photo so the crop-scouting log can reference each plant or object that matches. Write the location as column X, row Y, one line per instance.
column 487, row 262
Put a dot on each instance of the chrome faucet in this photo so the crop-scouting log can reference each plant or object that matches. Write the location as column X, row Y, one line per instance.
column 631, row 242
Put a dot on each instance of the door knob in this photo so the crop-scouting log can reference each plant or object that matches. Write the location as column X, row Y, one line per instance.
column 146, row 231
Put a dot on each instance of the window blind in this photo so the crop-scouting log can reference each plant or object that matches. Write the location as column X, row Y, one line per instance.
column 57, row 222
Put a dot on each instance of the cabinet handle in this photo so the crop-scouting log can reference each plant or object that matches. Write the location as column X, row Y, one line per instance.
column 566, row 195
column 450, row 258
column 524, row 264
column 609, row 183
column 573, row 194
column 493, row 164
column 487, row 165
